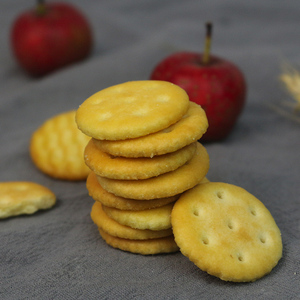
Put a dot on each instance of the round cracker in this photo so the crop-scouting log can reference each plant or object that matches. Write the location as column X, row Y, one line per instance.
column 187, row 130
column 24, row 197
column 57, row 148
column 122, row 168
column 114, row 228
column 154, row 219
column 132, row 109
column 226, row 232
column 165, row 185
column 144, row 247
column 98, row 193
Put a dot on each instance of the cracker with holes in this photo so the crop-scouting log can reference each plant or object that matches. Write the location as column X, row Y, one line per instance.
column 108, row 199
column 227, row 232
column 187, row 130
column 110, row 226
column 132, row 109
column 154, row 219
column 122, row 168
column 57, row 148
column 165, row 185
column 144, row 247
column 24, row 197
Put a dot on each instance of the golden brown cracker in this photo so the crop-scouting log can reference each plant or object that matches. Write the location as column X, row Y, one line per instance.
column 154, row 219
column 187, row 130
column 109, row 166
column 24, row 197
column 165, row 185
column 57, row 148
column 144, row 247
column 226, row 232
column 114, row 228
column 132, row 109
column 108, row 199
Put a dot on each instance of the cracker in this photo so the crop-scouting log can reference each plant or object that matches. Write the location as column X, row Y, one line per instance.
column 57, row 148
column 108, row 199
column 187, row 130
column 144, row 247
column 165, row 185
column 132, row 109
column 24, row 197
column 154, row 219
column 122, row 168
column 226, row 232
column 114, row 228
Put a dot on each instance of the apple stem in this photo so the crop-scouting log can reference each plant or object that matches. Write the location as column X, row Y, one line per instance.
column 40, row 8
column 206, row 54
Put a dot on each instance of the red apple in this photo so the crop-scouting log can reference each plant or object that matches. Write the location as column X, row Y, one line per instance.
column 216, row 84
column 49, row 37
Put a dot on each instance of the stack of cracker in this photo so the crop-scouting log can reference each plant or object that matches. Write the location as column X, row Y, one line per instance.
column 143, row 154
column 148, row 182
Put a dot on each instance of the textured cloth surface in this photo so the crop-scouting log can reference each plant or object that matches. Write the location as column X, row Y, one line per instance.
column 58, row 254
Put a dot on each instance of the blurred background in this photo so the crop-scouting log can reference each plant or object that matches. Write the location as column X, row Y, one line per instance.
column 244, row 32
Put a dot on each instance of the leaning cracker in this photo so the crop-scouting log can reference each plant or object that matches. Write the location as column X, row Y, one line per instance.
column 154, row 219
column 23, row 197
column 114, row 228
column 226, row 232
column 57, row 148
column 144, row 247
column 122, row 168
column 187, row 130
column 165, row 185
column 108, row 199
column 132, row 109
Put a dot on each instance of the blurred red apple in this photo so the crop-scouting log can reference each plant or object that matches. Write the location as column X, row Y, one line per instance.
column 216, row 84
column 49, row 37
